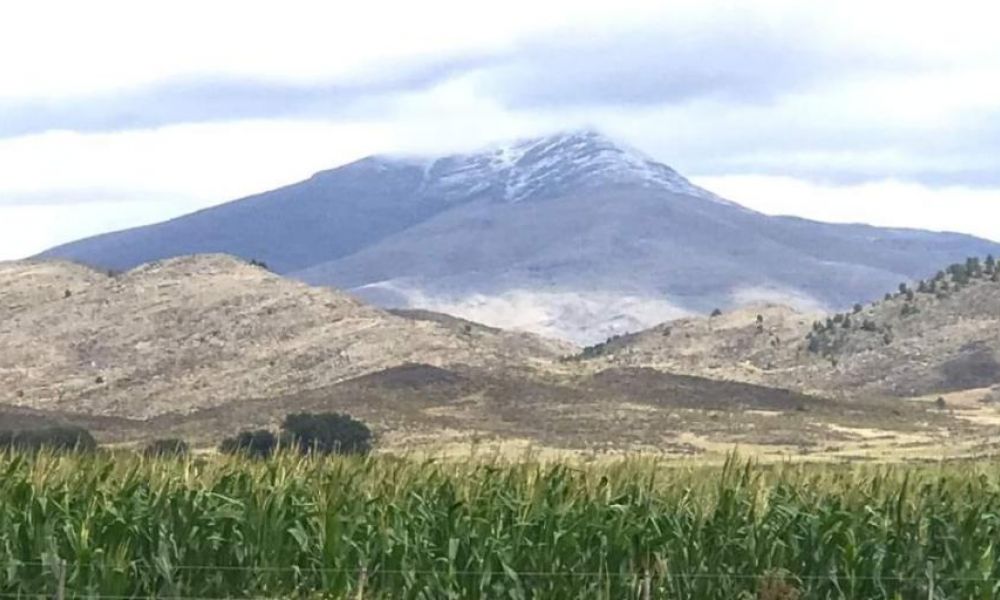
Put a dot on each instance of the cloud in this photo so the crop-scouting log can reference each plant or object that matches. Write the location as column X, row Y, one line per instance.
column 225, row 98
column 737, row 59
column 208, row 163
column 888, row 203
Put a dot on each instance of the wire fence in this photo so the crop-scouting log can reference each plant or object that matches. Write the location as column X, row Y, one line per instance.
column 466, row 572
column 644, row 579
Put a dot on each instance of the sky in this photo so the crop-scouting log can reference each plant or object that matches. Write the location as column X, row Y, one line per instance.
column 120, row 113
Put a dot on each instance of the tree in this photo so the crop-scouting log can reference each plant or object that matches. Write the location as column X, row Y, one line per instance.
column 902, row 288
column 847, row 322
column 857, row 308
column 716, row 312
column 973, row 267
column 259, row 443
column 959, row 273
column 328, row 433
column 62, row 438
column 940, row 403
column 166, row 447
column 868, row 325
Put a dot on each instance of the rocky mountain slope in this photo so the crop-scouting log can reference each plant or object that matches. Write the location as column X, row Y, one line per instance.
column 938, row 335
column 195, row 332
column 571, row 235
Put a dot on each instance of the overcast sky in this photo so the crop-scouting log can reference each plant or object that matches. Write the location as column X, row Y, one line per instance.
column 115, row 114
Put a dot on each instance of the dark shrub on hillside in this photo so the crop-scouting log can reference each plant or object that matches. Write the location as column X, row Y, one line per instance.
column 166, row 447
column 63, row 438
column 260, row 443
column 328, row 433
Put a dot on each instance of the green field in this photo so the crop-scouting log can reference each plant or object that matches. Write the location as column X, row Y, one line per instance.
column 218, row 527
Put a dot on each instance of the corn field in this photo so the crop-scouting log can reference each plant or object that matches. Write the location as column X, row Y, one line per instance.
column 122, row 526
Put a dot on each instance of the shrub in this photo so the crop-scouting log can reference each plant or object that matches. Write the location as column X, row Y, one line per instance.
column 259, row 443
column 328, row 433
column 774, row 586
column 62, row 438
column 716, row 312
column 166, row 447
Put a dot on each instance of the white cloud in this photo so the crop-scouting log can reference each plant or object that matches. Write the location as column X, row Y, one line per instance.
column 886, row 203
column 73, row 48
column 27, row 229
column 212, row 162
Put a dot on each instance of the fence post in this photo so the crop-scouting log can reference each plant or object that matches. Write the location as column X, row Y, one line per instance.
column 930, row 581
column 647, row 587
column 362, row 580
column 61, row 579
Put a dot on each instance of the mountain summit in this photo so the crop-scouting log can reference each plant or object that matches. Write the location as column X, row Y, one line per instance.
column 572, row 235
column 537, row 168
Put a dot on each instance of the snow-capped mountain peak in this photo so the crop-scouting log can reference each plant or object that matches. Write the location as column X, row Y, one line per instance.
column 546, row 166
column 588, row 158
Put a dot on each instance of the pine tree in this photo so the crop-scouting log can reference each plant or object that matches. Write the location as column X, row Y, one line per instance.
column 973, row 268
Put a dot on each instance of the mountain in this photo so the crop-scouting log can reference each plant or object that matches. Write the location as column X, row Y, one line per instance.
column 570, row 235
column 940, row 336
column 202, row 331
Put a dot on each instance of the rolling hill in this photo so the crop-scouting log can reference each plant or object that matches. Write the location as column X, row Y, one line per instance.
column 189, row 333
column 937, row 336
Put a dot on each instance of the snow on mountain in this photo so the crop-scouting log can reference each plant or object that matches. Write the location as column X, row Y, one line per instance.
column 539, row 167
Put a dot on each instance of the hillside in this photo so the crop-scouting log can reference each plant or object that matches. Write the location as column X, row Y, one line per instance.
column 571, row 235
column 195, row 332
column 939, row 335
column 201, row 346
